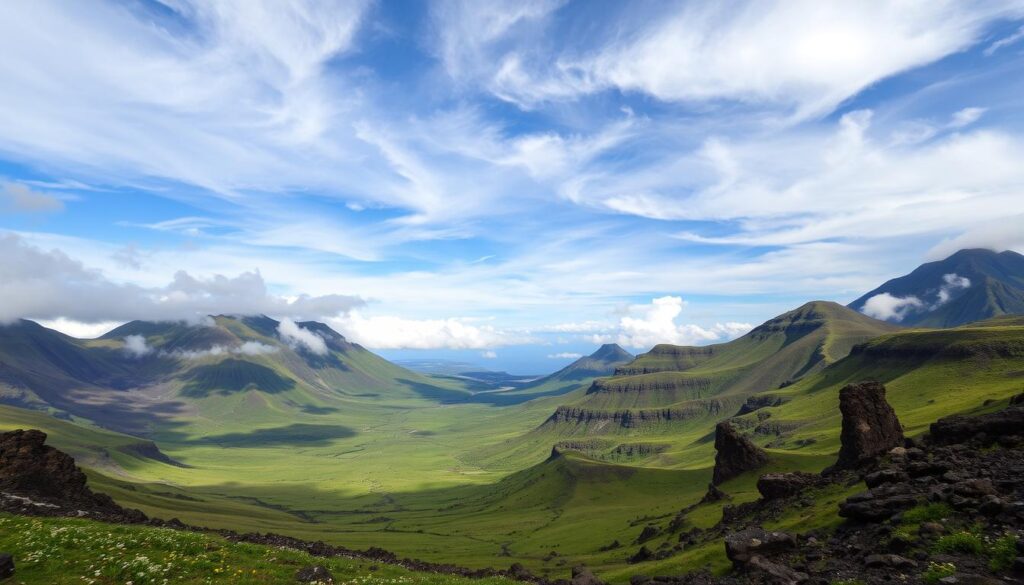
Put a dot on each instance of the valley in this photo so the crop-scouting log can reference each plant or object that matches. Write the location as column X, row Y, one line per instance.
column 241, row 423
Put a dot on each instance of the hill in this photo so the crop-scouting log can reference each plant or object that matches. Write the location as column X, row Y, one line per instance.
column 144, row 376
column 969, row 286
column 667, row 397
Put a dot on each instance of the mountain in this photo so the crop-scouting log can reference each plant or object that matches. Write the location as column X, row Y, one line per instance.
column 600, row 363
column 970, row 285
column 143, row 375
column 673, row 391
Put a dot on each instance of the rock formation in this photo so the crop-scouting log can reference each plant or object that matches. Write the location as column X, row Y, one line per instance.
column 735, row 454
column 870, row 426
column 34, row 475
column 775, row 486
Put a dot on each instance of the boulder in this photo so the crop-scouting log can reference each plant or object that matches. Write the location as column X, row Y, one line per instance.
column 735, row 454
column 714, row 495
column 776, row 573
column 581, row 575
column 776, row 486
column 314, row 574
column 990, row 427
column 6, row 565
column 741, row 546
column 644, row 554
column 870, row 427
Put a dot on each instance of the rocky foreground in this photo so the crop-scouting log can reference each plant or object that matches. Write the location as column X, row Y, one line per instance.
column 947, row 508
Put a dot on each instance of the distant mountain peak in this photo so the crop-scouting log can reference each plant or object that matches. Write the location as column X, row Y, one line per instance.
column 611, row 352
column 970, row 285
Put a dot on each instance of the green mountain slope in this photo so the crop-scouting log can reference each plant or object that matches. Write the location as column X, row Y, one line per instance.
column 146, row 376
column 936, row 296
column 603, row 362
column 672, row 395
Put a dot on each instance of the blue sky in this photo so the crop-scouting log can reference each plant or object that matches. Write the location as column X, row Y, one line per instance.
column 497, row 182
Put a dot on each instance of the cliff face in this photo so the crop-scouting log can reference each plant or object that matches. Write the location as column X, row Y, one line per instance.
column 636, row 418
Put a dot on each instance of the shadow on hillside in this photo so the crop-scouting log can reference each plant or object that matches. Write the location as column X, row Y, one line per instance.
column 296, row 435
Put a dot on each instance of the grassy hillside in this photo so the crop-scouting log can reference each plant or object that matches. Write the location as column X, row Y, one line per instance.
column 674, row 395
column 59, row 551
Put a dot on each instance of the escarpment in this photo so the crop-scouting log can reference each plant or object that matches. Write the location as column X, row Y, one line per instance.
column 636, row 418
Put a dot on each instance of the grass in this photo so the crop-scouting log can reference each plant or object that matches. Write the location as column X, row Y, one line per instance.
column 927, row 512
column 60, row 551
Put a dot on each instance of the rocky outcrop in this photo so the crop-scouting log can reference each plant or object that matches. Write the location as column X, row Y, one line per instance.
column 735, row 454
column 870, row 427
column 35, row 475
column 635, row 418
column 959, row 429
column 759, row 401
column 314, row 574
column 776, row 486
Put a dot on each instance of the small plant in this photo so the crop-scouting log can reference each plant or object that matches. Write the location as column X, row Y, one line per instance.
column 962, row 542
column 937, row 572
column 927, row 513
column 848, row 582
column 1002, row 552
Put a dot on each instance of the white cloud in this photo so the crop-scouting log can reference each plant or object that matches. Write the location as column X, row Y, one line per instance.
column 19, row 197
column 391, row 332
column 49, row 285
column 806, row 55
column 1006, row 41
column 489, row 354
column 299, row 337
column 78, row 329
column 887, row 307
column 136, row 347
column 565, row 355
column 999, row 234
column 950, row 284
column 648, row 325
column 249, row 348
column 966, row 117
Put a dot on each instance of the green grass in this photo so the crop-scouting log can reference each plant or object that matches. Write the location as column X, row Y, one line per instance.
column 59, row 551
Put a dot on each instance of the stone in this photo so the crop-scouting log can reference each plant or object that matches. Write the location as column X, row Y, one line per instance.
column 741, row 546
column 889, row 560
column 314, row 574
column 775, row 486
column 644, row 554
column 581, row 575
column 779, row 574
column 6, row 565
column 735, row 454
column 869, row 428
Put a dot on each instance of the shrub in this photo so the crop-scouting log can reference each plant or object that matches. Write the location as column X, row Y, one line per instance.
column 927, row 513
column 1002, row 552
column 937, row 571
column 962, row 542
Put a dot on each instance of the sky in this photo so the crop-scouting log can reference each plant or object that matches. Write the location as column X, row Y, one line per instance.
column 504, row 183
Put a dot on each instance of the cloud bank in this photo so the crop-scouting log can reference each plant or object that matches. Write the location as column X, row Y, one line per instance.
column 49, row 285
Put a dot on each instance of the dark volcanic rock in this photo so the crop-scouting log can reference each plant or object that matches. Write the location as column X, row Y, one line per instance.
column 735, row 454
column 644, row 554
column 581, row 575
column 741, row 546
column 774, row 486
column 989, row 427
column 314, row 574
column 41, row 477
column 776, row 573
column 6, row 565
column 870, row 426
column 714, row 495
